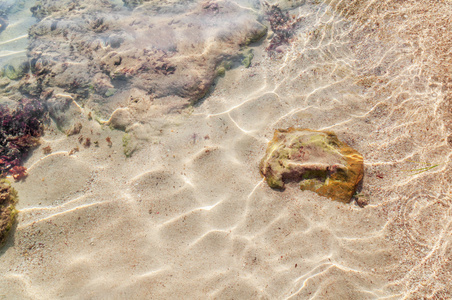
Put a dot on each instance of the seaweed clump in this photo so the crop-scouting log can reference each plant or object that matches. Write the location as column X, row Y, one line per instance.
column 8, row 197
column 316, row 160
column 282, row 25
column 20, row 130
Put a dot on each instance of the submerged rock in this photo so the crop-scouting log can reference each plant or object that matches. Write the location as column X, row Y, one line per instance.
column 170, row 50
column 132, row 3
column 16, row 68
column 8, row 213
column 317, row 160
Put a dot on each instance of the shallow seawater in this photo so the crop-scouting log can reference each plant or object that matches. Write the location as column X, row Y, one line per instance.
column 146, row 182
column 13, row 39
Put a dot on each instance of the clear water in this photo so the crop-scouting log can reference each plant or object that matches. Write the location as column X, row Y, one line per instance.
column 167, row 200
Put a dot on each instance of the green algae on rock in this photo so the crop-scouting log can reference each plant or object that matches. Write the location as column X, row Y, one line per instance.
column 317, row 160
column 8, row 197
column 16, row 68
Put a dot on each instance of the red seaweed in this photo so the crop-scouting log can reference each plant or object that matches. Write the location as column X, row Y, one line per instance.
column 20, row 130
column 282, row 25
column 18, row 172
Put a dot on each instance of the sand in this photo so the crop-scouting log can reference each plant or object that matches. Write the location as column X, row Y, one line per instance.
column 188, row 216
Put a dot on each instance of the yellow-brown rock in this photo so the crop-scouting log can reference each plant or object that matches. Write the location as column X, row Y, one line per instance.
column 317, row 160
column 7, row 211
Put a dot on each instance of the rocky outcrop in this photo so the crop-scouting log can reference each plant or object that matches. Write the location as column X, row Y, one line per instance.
column 97, row 52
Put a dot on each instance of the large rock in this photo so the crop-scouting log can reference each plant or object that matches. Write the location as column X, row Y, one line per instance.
column 168, row 49
column 316, row 160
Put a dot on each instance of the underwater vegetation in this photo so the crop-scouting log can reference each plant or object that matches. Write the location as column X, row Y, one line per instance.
column 282, row 25
column 316, row 160
column 247, row 57
column 20, row 130
column 128, row 150
column 8, row 197
column 427, row 167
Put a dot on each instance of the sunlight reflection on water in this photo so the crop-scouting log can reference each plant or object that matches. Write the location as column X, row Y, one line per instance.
column 168, row 199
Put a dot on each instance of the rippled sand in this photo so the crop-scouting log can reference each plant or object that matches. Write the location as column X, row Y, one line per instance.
column 188, row 215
